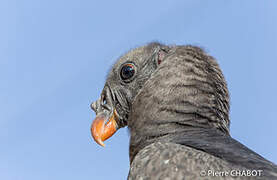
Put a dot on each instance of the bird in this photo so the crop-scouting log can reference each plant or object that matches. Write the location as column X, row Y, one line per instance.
column 175, row 102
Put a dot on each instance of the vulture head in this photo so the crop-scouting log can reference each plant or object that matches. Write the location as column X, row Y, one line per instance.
column 160, row 91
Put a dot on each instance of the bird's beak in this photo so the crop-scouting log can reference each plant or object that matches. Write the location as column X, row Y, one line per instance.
column 104, row 126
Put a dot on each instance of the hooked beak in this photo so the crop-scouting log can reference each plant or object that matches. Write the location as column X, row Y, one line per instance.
column 103, row 127
column 105, row 122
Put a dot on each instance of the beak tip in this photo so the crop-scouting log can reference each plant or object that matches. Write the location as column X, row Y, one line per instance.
column 98, row 140
column 101, row 143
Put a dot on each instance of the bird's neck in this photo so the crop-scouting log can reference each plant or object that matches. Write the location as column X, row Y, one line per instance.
column 167, row 122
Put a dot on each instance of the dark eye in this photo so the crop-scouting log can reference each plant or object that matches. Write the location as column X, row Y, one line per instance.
column 127, row 71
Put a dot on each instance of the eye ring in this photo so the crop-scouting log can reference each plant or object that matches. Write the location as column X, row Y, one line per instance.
column 127, row 71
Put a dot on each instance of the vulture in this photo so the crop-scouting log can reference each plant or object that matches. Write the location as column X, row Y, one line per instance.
column 175, row 102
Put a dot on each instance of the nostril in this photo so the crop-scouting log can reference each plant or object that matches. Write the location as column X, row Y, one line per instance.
column 104, row 100
column 93, row 106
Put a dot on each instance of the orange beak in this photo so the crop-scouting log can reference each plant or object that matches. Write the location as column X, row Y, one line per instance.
column 103, row 127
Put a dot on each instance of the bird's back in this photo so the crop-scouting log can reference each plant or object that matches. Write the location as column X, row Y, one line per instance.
column 174, row 161
column 220, row 157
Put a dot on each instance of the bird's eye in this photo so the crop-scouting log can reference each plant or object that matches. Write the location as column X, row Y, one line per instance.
column 127, row 71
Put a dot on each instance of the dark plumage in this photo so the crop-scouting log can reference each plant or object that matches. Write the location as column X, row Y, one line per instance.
column 175, row 102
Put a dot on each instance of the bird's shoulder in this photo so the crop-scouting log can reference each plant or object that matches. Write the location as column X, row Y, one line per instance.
column 174, row 161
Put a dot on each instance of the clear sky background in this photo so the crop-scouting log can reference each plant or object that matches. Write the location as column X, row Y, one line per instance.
column 55, row 55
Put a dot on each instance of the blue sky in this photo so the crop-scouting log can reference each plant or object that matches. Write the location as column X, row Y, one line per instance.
column 54, row 57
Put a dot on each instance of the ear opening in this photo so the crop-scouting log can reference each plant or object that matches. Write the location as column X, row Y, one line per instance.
column 161, row 55
column 162, row 52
